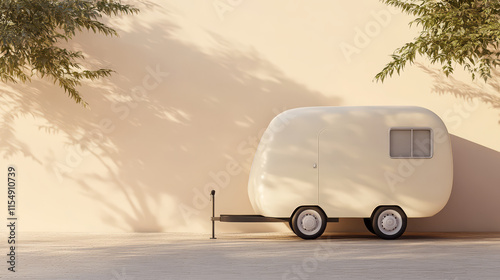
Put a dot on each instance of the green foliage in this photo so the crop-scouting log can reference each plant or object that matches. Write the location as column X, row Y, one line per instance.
column 463, row 32
column 30, row 31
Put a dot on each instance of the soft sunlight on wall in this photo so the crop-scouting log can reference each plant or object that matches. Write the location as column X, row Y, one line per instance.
column 195, row 85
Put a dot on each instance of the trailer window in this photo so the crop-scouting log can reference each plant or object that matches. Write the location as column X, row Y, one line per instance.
column 410, row 143
column 400, row 143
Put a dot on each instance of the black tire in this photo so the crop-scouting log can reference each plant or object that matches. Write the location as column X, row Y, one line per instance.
column 291, row 226
column 309, row 222
column 389, row 222
column 368, row 225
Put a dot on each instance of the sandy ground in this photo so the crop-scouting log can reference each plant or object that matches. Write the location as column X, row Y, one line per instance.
column 255, row 256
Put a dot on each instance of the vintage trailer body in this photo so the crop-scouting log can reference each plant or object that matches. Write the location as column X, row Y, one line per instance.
column 350, row 160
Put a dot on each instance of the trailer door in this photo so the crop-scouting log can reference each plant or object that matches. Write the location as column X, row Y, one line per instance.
column 349, row 173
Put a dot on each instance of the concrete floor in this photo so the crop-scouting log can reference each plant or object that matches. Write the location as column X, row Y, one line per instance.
column 255, row 256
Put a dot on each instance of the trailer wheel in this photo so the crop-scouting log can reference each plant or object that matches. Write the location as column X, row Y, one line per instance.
column 309, row 222
column 389, row 222
column 368, row 225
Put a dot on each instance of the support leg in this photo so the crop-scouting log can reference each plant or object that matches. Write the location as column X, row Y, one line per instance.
column 212, row 196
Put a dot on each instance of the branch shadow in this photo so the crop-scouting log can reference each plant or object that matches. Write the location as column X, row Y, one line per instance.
column 485, row 92
column 174, row 113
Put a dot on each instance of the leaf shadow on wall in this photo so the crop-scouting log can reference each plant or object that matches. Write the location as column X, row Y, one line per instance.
column 163, row 130
column 488, row 93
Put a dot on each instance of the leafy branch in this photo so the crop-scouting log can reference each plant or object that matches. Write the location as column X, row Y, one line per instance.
column 463, row 32
column 30, row 31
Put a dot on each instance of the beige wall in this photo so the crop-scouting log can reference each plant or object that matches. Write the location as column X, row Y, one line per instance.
column 196, row 85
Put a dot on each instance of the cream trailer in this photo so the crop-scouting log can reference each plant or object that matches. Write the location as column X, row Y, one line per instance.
column 381, row 164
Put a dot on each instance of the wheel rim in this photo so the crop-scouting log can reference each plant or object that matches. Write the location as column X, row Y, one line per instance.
column 309, row 222
column 390, row 222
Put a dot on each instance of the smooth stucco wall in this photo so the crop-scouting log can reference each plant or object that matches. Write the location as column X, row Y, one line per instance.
column 196, row 85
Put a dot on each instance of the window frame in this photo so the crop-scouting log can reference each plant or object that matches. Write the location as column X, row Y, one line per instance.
column 411, row 141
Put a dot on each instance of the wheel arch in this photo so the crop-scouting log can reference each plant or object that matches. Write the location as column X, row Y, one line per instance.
column 312, row 205
column 388, row 205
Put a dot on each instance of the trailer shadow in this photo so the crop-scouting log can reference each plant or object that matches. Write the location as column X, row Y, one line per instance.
column 473, row 205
